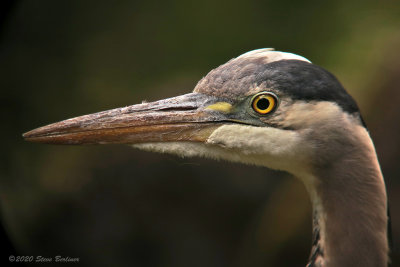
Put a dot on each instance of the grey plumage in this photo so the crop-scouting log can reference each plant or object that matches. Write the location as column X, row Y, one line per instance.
column 299, row 79
column 313, row 130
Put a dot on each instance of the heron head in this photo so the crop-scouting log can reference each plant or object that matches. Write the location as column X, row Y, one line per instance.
column 264, row 107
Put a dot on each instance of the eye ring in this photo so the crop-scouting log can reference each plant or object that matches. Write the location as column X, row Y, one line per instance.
column 264, row 103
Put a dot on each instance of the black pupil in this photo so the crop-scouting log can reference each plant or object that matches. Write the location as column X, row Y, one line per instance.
column 263, row 104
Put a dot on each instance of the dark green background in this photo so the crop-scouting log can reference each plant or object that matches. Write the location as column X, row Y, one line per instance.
column 116, row 206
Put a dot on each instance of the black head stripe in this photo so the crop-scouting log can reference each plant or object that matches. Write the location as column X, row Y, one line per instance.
column 305, row 81
column 298, row 79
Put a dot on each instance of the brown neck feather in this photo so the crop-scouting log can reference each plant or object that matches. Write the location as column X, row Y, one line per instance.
column 350, row 209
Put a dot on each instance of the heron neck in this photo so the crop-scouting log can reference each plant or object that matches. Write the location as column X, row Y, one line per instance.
column 350, row 211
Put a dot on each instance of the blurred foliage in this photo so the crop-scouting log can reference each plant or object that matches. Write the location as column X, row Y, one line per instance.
column 115, row 206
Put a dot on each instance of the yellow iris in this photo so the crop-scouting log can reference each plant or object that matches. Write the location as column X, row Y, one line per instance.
column 264, row 103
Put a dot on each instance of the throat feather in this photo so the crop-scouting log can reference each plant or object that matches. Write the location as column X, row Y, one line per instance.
column 317, row 251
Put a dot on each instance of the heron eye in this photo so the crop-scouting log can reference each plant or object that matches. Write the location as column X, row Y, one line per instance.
column 264, row 103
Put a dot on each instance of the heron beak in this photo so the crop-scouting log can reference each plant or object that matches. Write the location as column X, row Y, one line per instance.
column 181, row 118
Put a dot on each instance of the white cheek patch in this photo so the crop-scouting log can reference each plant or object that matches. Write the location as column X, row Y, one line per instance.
column 261, row 146
column 266, row 146
column 303, row 114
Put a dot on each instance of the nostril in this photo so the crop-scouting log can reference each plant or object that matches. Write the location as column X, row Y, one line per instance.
column 178, row 108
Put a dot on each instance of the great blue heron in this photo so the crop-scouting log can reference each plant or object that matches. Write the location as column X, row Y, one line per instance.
column 271, row 109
